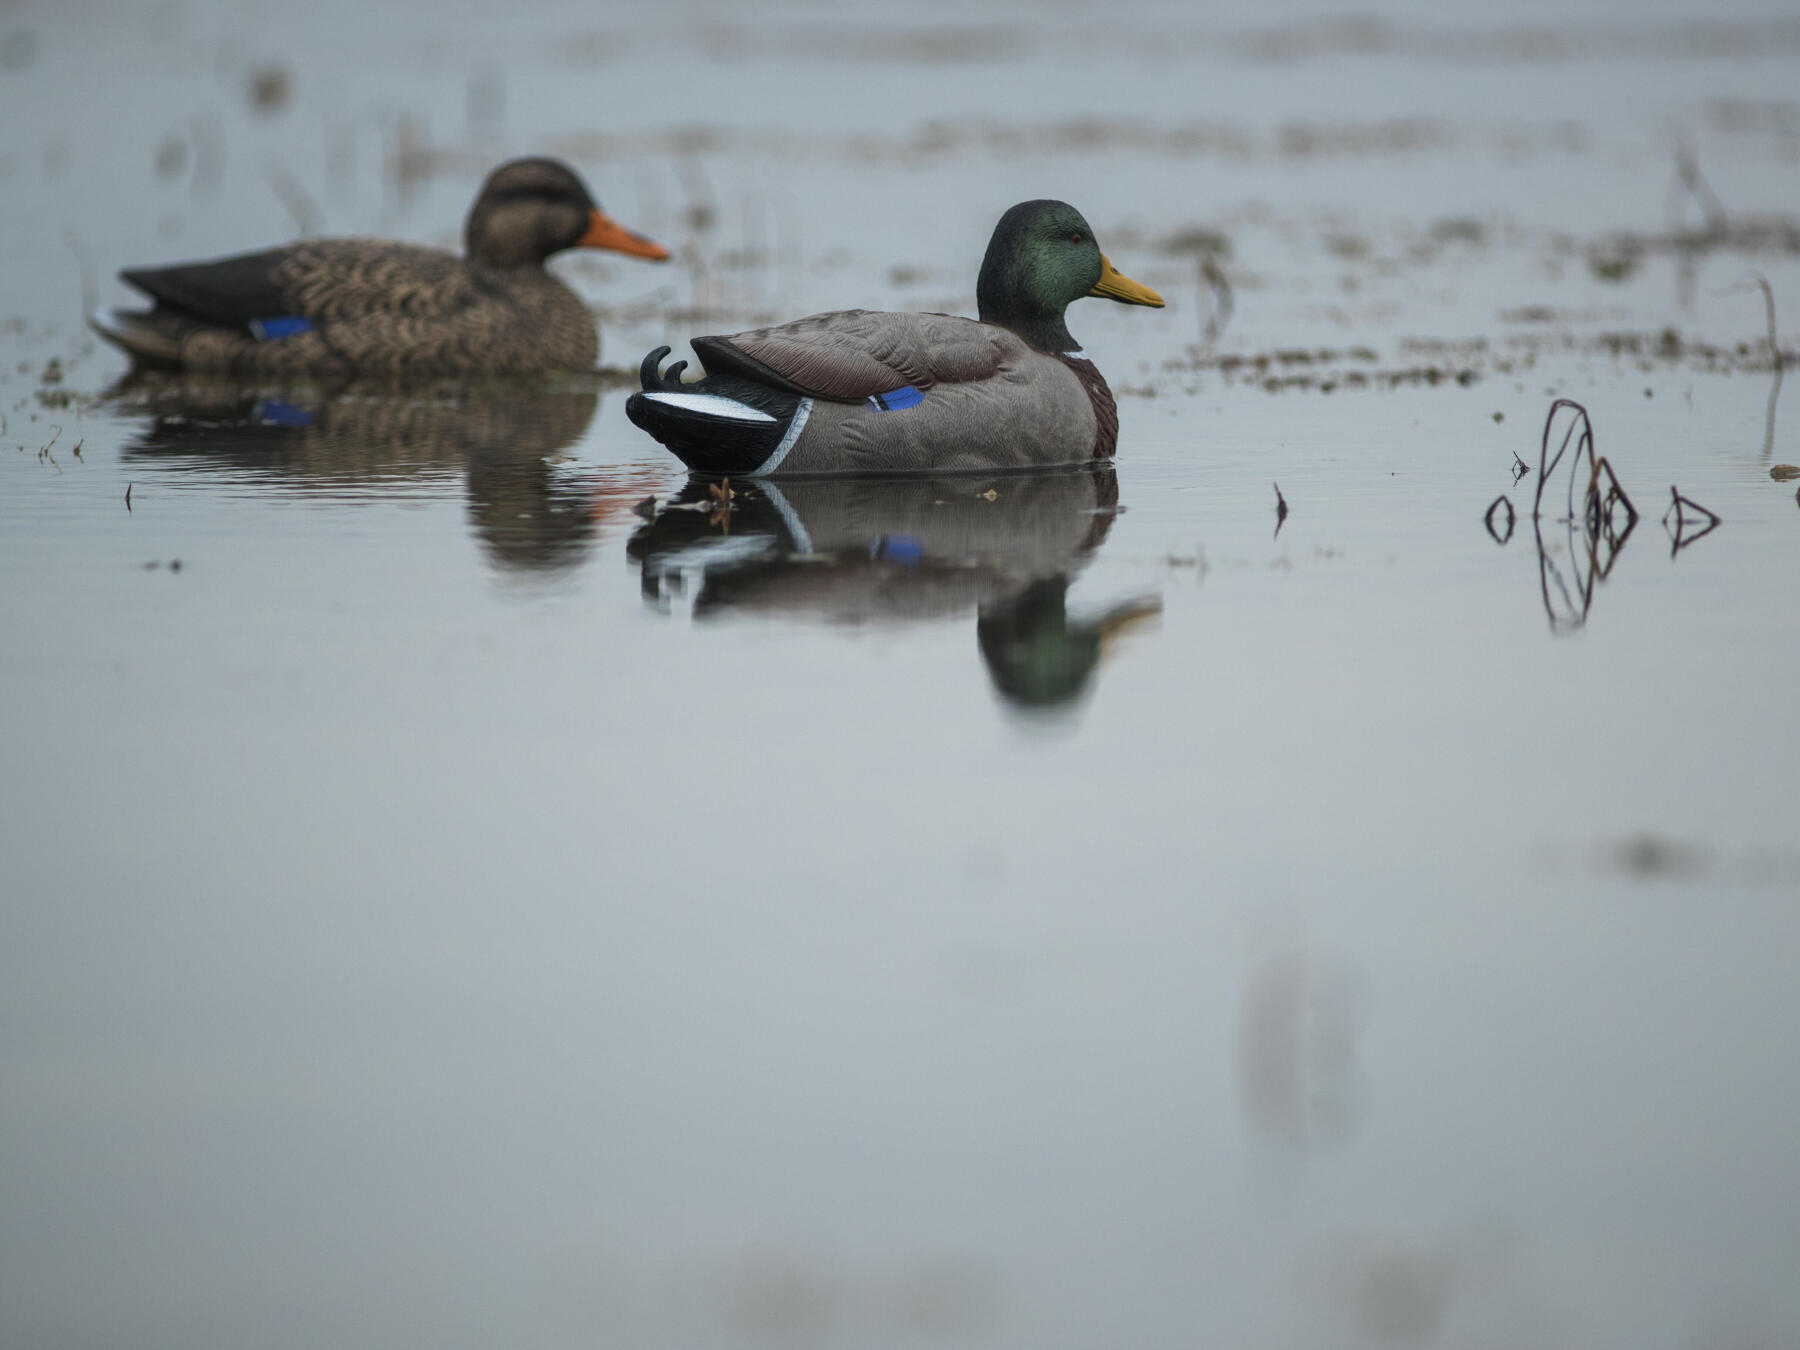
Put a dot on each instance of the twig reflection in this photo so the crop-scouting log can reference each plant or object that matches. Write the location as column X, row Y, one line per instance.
column 1501, row 536
column 1596, row 530
column 1693, row 522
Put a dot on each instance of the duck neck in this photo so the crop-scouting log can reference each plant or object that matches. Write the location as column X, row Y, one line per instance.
column 1004, row 296
column 1046, row 332
column 1043, row 329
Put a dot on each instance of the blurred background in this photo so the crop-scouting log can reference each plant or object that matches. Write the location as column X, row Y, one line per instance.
column 439, row 901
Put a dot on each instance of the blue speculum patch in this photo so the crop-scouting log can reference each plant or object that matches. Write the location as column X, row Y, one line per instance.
column 904, row 397
column 274, row 412
column 906, row 549
column 285, row 325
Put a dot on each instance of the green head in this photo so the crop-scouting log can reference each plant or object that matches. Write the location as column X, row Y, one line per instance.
column 1042, row 257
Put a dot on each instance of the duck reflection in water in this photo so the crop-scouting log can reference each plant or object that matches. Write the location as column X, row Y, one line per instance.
column 866, row 551
column 501, row 436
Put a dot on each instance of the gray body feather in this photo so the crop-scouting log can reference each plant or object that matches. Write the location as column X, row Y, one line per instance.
column 990, row 400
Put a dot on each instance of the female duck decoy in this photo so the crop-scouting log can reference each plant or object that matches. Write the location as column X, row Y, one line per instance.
column 374, row 307
column 863, row 392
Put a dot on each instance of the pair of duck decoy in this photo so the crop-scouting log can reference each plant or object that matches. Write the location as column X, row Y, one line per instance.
column 845, row 392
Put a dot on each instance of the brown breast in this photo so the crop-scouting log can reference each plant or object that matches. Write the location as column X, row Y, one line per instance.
column 1106, row 412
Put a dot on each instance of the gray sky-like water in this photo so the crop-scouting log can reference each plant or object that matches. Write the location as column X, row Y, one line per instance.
column 449, row 907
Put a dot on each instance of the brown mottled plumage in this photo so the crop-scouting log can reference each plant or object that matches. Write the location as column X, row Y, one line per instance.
column 375, row 307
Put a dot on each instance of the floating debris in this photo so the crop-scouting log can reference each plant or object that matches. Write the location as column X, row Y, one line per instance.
column 1519, row 467
column 1652, row 857
column 1783, row 473
column 1281, row 511
column 721, row 495
column 271, row 89
column 171, row 157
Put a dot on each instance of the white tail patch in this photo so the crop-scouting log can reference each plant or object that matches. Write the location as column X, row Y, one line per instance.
column 712, row 405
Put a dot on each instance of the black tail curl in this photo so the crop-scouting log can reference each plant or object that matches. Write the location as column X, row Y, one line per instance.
column 705, row 441
column 656, row 380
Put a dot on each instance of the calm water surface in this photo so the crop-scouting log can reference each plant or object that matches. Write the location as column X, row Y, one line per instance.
column 454, row 905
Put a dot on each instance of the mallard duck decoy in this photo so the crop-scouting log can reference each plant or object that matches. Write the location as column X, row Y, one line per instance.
column 859, row 391
column 373, row 306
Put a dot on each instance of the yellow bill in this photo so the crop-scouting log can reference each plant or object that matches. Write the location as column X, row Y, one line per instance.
column 1115, row 285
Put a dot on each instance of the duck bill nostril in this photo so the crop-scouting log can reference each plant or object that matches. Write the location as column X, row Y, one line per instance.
column 1115, row 285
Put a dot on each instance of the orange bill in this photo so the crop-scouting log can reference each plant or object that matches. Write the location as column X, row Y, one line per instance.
column 605, row 232
column 1115, row 285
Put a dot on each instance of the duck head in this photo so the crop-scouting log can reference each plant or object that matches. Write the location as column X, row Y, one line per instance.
column 1041, row 258
column 529, row 209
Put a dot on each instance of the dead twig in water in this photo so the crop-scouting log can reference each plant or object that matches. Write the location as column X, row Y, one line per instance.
column 1679, row 506
column 90, row 288
column 1692, row 245
column 1601, row 517
column 1519, row 467
column 208, row 139
column 1775, row 356
column 1580, row 434
column 44, row 450
column 1758, row 280
column 1511, row 519
column 1602, row 533
column 294, row 196
column 1694, row 186
column 1221, row 305
column 128, row 488
column 1281, row 511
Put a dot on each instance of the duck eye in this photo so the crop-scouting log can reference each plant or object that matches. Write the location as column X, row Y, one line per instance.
column 1075, row 238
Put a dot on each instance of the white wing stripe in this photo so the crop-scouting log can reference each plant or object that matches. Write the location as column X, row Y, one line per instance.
column 795, row 427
